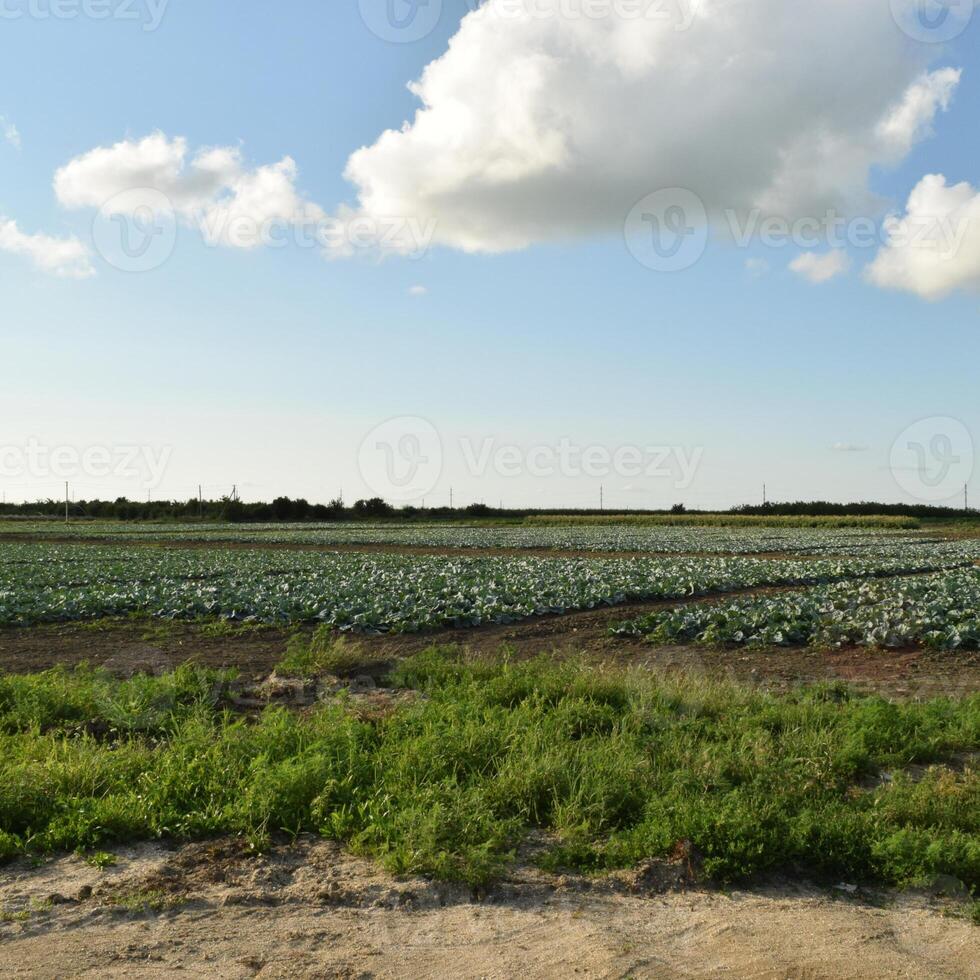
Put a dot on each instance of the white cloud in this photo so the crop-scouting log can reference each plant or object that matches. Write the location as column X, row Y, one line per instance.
column 417, row 291
column 934, row 248
column 910, row 121
column 9, row 132
column 66, row 257
column 849, row 447
column 820, row 268
column 233, row 205
column 757, row 267
column 255, row 201
column 540, row 126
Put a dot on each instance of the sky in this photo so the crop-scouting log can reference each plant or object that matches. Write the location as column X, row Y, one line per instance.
column 524, row 252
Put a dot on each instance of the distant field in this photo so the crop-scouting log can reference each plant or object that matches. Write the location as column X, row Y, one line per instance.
column 607, row 536
column 735, row 520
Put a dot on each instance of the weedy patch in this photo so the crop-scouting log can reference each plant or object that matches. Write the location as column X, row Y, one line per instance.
column 612, row 768
column 33, row 907
column 323, row 653
column 141, row 901
column 100, row 860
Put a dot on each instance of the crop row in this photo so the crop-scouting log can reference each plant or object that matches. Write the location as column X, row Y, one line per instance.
column 381, row 592
column 602, row 537
column 939, row 610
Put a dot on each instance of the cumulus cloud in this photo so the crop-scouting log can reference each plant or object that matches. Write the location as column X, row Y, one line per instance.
column 66, row 257
column 934, row 248
column 757, row 267
column 818, row 268
column 9, row 132
column 233, row 205
column 536, row 125
column 417, row 291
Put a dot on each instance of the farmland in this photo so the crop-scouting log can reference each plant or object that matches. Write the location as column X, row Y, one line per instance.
column 939, row 610
column 571, row 536
column 398, row 593
column 440, row 701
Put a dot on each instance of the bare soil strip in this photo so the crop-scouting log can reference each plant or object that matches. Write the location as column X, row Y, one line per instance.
column 310, row 910
column 129, row 646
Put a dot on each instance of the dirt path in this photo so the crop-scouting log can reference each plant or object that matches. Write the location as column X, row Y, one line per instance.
column 310, row 910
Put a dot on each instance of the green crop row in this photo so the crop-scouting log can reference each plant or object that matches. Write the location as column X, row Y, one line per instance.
column 383, row 592
column 940, row 610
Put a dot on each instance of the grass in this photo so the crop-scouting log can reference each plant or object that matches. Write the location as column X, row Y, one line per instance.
column 882, row 521
column 615, row 767
column 101, row 860
column 146, row 900
column 322, row 653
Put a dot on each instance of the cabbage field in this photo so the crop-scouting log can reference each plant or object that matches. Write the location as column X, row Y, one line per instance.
column 381, row 592
column 597, row 537
column 940, row 610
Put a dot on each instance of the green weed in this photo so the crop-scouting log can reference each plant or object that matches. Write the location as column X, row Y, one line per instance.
column 615, row 767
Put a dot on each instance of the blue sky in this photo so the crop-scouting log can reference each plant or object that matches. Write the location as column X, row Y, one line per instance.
column 267, row 368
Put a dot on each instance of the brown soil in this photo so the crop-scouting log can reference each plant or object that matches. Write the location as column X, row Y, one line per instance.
column 127, row 646
column 308, row 909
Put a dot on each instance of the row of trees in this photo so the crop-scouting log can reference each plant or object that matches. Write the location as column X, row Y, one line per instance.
column 287, row 509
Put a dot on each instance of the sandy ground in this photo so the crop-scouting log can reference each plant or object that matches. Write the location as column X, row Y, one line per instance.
column 310, row 910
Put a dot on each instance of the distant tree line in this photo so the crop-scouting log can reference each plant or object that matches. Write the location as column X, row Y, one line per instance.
column 821, row 508
column 300, row 510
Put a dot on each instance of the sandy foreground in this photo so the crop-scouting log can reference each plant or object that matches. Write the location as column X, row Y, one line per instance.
column 310, row 910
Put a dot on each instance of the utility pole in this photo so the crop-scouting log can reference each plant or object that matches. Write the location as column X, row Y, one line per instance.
column 450, row 498
column 966, row 497
column 764, row 500
column 66, row 502
column 200, row 503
